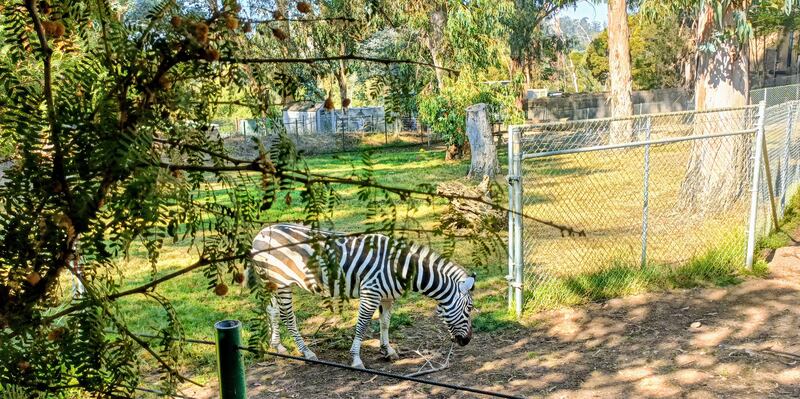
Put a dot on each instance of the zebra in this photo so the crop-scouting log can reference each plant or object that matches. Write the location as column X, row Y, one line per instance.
column 372, row 267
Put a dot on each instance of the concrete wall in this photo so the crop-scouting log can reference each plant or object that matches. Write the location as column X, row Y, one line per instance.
column 596, row 105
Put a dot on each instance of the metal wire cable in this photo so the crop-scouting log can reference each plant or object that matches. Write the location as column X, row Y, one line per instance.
column 351, row 368
column 384, row 374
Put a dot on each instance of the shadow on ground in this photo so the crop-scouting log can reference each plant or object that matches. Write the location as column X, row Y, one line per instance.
column 739, row 341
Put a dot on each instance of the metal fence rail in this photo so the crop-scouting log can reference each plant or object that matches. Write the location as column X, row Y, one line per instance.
column 652, row 192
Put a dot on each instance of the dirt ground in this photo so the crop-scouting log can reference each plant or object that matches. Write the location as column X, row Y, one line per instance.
column 740, row 341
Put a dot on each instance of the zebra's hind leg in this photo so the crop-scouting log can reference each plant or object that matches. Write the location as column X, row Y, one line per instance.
column 385, row 318
column 284, row 299
column 368, row 304
column 275, row 339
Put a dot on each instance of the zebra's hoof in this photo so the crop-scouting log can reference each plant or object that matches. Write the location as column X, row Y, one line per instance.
column 280, row 349
column 310, row 355
column 358, row 364
column 390, row 354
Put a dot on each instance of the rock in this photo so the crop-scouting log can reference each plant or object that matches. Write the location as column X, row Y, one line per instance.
column 696, row 325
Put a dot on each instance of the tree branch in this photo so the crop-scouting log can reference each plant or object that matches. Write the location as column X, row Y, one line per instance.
column 121, row 327
column 215, row 154
column 200, row 263
column 210, row 168
column 320, row 19
column 47, row 53
column 317, row 178
column 385, row 61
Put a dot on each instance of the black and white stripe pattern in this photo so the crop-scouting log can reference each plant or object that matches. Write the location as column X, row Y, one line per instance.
column 373, row 267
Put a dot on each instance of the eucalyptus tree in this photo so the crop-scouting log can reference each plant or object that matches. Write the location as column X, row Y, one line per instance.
column 619, row 67
column 527, row 39
column 717, row 169
column 109, row 120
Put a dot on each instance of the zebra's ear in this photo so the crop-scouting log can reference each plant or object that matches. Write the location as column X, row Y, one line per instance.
column 467, row 285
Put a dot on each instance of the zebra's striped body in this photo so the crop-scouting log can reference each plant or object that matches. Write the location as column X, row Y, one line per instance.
column 372, row 267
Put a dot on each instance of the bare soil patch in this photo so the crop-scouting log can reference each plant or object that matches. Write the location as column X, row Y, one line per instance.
column 739, row 341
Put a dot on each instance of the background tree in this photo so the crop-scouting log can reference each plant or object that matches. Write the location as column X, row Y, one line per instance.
column 722, row 35
column 619, row 67
column 656, row 54
column 527, row 37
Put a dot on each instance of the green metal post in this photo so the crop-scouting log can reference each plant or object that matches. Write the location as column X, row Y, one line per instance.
column 230, row 367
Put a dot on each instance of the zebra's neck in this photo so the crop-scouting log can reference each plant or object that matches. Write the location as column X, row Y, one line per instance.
column 436, row 276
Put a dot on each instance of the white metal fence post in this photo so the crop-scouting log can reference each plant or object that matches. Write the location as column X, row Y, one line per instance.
column 511, row 220
column 786, row 145
column 518, row 255
column 757, row 151
column 515, row 265
column 645, row 189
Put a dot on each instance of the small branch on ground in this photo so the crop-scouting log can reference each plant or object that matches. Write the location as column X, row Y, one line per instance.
column 432, row 370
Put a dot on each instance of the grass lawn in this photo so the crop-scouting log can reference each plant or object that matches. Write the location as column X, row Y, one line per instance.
column 588, row 192
column 198, row 307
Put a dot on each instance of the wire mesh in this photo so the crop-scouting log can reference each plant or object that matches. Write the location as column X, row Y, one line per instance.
column 775, row 95
column 660, row 197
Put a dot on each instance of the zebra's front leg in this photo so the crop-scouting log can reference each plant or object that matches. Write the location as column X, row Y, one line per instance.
column 368, row 303
column 284, row 297
column 385, row 318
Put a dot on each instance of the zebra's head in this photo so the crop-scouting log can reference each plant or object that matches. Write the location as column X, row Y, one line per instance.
column 455, row 311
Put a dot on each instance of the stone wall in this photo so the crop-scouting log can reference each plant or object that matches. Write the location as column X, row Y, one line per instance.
column 596, row 105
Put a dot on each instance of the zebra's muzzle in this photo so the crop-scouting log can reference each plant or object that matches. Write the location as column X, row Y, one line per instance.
column 461, row 341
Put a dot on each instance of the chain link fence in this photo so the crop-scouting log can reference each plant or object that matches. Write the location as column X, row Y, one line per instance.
column 659, row 196
column 775, row 95
column 312, row 136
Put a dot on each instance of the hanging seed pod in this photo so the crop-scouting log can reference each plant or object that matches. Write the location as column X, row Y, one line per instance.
column 56, row 334
column 211, row 54
column 221, row 289
column 59, row 30
column 164, row 82
column 231, row 22
column 247, row 28
column 201, row 32
column 176, row 21
column 304, row 7
column 24, row 365
column 54, row 29
column 328, row 104
column 277, row 14
column 279, row 34
column 238, row 277
column 33, row 278
column 345, row 103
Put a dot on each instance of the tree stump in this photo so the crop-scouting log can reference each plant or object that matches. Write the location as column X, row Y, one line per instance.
column 483, row 150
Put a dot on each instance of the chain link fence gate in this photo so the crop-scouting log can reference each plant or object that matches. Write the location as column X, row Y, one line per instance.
column 651, row 193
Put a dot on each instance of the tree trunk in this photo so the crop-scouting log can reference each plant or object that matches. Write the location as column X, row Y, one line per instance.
column 717, row 170
column 482, row 149
column 341, row 78
column 438, row 21
column 456, row 152
column 619, row 70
